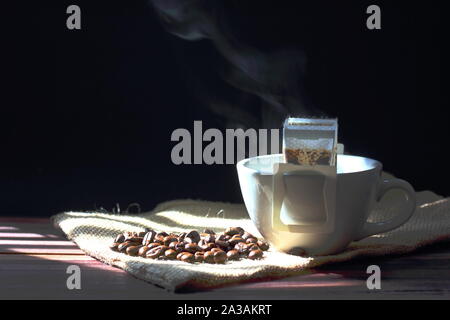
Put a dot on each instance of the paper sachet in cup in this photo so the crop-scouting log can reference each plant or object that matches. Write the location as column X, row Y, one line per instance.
column 310, row 141
column 304, row 186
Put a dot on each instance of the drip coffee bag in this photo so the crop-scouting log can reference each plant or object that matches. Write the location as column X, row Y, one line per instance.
column 310, row 141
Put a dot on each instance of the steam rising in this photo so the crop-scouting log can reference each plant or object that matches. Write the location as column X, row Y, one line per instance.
column 275, row 76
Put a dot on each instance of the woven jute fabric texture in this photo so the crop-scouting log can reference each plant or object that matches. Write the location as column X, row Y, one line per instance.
column 94, row 232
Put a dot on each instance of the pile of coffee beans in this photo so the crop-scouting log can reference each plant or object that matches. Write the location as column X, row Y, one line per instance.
column 233, row 244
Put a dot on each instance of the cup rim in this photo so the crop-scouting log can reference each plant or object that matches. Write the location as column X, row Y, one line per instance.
column 373, row 164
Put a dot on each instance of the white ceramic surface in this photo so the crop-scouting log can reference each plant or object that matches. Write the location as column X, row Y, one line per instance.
column 358, row 187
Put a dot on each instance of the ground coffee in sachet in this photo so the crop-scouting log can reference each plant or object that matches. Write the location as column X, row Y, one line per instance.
column 310, row 141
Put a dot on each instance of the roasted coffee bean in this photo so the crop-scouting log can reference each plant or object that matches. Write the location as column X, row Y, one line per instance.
column 179, row 255
column 233, row 254
column 207, row 246
column 179, row 247
column 252, row 246
column 123, row 246
column 255, row 254
column 192, row 236
column 209, row 231
column 251, row 240
column 241, row 247
column 120, row 238
column 153, row 245
column 208, row 257
column 215, row 250
column 221, row 237
column 181, row 236
column 191, row 247
column 133, row 250
column 159, row 238
column 129, row 235
column 170, row 254
column 247, row 235
column 141, row 234
column 209, row 238
column 231, row 231
column 199, row 256
column 187, row 257
column 222, row 244
column 167, row 240
column 220, row 257
column 173, row 245
column 211, row 246
column 163, row 248
column 162, row 234
column 143, row 250
column 234, row 240
column 263, row 245
column 114, row 246
column 154, row 253
column 149, row 237
column 135, row 240
column 202, row 242
column 133, row 237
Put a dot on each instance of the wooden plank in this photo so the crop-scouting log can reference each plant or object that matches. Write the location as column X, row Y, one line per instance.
column 42, row 243
column 24, row 219
column 41, row 251
column 21, row 235
column 2, row 228
column 35, row 237
column 41, row 273
column 24, row 258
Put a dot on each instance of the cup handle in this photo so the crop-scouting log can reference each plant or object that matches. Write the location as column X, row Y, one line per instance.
column 370, row 228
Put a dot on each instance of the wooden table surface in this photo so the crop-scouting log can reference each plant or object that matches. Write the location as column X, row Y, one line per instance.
column 34, row 258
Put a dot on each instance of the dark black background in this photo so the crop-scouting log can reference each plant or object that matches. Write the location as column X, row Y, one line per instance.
column 87, row 114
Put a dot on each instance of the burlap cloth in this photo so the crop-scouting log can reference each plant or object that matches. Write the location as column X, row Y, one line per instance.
column 93, row 232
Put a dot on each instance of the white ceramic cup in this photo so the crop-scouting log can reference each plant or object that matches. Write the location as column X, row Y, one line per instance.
column 358, row 187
